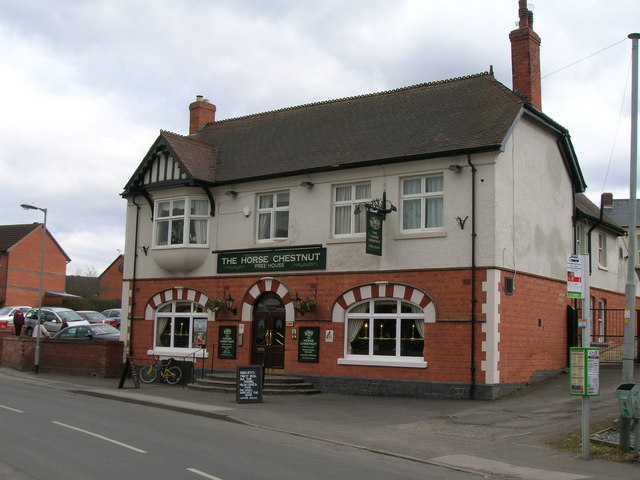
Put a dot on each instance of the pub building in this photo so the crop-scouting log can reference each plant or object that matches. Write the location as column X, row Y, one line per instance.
column 407, row 242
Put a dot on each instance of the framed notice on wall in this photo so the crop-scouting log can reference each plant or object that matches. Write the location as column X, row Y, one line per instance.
column 585, row 371
column 309, row 345
column 227, row 335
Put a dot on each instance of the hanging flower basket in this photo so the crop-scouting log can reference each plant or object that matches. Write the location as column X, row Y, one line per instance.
column 307, row 306
column 216, row 306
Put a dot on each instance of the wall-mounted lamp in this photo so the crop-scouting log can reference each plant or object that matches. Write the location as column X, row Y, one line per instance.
column 306, row 183
column 231, row 193
column 229, row 303
column 455, row 168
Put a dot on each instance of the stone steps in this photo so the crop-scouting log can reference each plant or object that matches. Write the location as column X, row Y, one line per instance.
column 273, row 384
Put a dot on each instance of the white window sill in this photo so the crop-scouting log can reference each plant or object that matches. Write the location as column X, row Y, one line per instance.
column 179, row 353
column 409, row 236
column 359, row 239
column 379, row 362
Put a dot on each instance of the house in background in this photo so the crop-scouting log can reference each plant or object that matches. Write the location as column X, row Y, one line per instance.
column 407, row 242
column 21, row 265
column 618, row 210
column 110, row 281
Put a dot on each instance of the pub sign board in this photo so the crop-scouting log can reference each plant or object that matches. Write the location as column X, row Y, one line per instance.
column 273, row 261
column 227, row 335
column 309, row 345
column 374, row 233
column 249, row 384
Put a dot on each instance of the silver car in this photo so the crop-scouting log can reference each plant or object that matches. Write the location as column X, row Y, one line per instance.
column 52, row 317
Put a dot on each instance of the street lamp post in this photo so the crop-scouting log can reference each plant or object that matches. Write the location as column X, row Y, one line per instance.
column 36, row 362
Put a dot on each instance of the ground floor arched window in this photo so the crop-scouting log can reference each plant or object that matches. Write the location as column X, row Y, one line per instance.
column 384, row 329
column 178, row 325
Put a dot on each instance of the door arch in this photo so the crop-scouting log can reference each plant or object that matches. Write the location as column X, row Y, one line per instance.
column 268, row 332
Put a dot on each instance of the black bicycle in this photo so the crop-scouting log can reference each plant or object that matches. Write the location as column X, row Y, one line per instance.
column 167, row 369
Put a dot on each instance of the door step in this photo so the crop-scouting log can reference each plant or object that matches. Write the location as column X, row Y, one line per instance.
column 273, row 384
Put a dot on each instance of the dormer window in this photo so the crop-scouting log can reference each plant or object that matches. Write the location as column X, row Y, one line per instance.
column 181, row 222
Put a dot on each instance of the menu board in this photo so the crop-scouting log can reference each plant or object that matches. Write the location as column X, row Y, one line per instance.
column 309, row 344
column 227, row 335
column 249, row 384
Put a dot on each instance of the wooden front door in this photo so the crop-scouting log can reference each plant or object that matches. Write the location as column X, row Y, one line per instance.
column 269, row 333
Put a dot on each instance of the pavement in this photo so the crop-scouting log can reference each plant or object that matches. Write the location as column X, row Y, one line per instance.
column 509, row 438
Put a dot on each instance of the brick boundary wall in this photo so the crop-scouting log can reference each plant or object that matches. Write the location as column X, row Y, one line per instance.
column 89, row 358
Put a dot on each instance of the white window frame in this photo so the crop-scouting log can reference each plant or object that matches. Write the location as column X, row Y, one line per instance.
column 272, row 213
column 371, row 359
column 177, row 310
column 188, row 219
column 579, row 239
column 356, row 221
column 602, row 250
column 423, row 197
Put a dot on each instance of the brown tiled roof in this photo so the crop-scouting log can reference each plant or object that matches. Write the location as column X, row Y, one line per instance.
column 468, row 114
column 12, row 234
column 197, row 157
column 587, row 209
column 430, row 119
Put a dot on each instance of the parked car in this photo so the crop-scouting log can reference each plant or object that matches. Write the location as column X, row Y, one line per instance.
column 52, row 317
column 96, row 317
column 6, row 313
column 113, row 313
column 93, row 331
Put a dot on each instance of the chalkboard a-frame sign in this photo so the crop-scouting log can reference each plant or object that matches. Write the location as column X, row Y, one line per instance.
column 249, row 384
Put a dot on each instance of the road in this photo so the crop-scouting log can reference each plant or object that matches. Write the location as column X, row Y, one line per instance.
column 50, row 434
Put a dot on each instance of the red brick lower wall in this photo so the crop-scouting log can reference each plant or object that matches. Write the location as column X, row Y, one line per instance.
column 98, row 358
column 532, row 328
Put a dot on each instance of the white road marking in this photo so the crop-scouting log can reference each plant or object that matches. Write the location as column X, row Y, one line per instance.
column 202, row 474
column 100, row 437
column 12, row 409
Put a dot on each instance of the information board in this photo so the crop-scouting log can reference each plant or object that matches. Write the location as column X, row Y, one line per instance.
column 249, row 384
column 585, row 371
column 227, row 335
column 309, row 344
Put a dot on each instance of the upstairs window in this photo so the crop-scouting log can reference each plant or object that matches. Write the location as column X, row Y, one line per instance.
column 345, row 200
column 181, row 222
column 422, row 203
column 273, row 216
column 602, row 250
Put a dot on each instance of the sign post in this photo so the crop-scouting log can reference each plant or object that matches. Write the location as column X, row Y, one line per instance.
column 578, row 288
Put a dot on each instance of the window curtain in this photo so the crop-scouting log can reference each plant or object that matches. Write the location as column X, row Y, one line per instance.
column 420, row 327
column 198, row 232
column 343, row 220
column 161, row 326
column 264, row 225
column 355, row 324
column 433, row 212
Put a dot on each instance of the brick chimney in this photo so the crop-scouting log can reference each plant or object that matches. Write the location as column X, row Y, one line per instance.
column 525, row 57
column 201, row 112
column 606, row 200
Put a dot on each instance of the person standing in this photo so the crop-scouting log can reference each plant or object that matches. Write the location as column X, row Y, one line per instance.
column 40, row 328
column 18, row 321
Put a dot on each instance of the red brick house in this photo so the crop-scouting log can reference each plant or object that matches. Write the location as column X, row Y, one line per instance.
column 21, row 265
column 110, row 281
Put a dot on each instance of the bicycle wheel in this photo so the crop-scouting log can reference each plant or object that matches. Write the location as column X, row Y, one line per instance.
column 172, row 374
column 148, row 373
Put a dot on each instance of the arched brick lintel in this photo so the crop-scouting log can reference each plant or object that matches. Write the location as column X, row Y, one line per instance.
column 172, row 294
column 264, row 285
column 384, row 290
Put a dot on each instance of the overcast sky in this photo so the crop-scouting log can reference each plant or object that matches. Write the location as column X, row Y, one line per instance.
column 87, row 85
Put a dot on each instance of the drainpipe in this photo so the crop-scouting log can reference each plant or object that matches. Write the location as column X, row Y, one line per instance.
column 474, row 300
column 133, row 278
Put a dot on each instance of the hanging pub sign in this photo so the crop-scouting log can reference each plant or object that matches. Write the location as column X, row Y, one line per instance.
column 227, row 341
column 272, row 260
column 309, row 344
column 374, row 233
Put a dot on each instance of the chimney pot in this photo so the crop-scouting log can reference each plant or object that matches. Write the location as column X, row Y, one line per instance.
column 525, row 57
column 201, row 112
